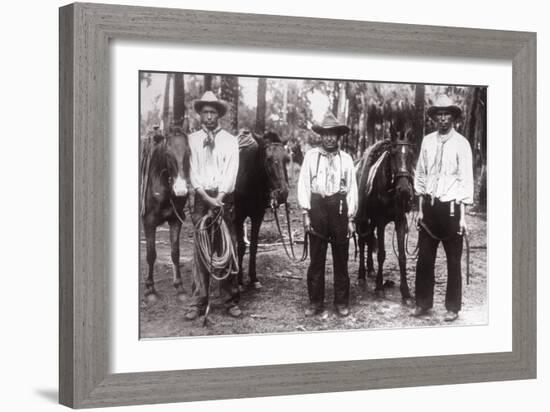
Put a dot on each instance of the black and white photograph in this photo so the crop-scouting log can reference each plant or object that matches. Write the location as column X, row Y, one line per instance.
column 296, row 205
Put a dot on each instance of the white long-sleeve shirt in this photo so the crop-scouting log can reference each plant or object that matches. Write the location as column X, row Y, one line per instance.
column 214, row 168
column 452, row 177
column 314, row 178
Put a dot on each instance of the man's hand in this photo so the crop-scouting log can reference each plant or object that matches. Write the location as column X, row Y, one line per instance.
column 307, row 223
column 463, row 228
column 219, row 199
column 419, row 218
column 213, row 202
column 351, row 229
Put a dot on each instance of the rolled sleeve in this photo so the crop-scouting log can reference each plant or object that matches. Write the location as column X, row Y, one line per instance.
column 304, row 184
column 352, row 194
column 194, row 161
column 465, row 175
column 420, row 173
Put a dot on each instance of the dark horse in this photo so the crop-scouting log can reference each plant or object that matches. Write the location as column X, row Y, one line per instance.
column 385, row 177
column 262, row 181
column 164, row 176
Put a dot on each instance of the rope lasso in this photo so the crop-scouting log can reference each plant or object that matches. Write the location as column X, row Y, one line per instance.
column 221, row 263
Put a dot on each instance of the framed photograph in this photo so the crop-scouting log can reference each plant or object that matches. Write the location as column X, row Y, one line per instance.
column 135, row 82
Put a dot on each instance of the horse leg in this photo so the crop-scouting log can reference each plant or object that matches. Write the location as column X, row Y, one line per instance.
column 371, row 248
column 241, row 247
column 381, row 258
column 362, row 270
column 175, row 229
column 400, row 228
column 150, row 237
column 254, row 235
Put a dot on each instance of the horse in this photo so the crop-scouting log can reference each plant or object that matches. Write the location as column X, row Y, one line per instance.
column 262, row 182
column 385, row 176
column 164, row 167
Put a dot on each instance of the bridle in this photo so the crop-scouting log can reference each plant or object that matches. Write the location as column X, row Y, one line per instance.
column 402, row 172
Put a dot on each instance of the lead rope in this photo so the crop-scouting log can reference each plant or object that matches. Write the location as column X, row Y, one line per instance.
column 466, row 240
column 291, row 255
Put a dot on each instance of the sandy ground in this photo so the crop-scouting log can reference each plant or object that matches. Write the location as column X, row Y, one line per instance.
column 279, row 305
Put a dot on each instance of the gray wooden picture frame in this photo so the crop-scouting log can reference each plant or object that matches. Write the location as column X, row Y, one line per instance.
column 85, row 32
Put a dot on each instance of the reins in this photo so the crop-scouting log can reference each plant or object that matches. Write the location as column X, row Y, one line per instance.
column 291, row 255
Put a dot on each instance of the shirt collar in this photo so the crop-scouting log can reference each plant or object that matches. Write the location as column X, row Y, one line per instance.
column 323, row 152
column 214, row 132
column 445, row 137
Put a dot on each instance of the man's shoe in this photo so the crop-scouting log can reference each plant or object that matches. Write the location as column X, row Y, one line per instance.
column 312, row 310
column 450, row 316
column 342, row 310
column 419, row 311
column 194, row 313
column 234, row 311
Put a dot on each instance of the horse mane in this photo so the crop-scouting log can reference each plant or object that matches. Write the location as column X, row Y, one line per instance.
column 370, row 157
column 251, row 174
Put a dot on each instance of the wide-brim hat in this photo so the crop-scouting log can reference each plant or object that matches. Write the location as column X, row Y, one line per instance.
column 330, row 124
column 444, row 102
column 210, row 99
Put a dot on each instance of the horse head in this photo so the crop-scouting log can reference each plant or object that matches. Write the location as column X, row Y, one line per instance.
column 275, row 161
column 402, row 160
column 177, row 160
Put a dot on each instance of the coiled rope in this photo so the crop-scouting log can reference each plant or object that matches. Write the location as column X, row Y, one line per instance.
column 221, row 262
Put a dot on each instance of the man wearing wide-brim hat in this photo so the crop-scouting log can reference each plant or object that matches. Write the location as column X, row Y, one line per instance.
column 444, row 183
column 327, row 194
column 214, row 163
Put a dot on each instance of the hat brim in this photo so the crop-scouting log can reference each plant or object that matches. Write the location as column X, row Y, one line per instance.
column 221, row 107
column 455, row 110
column 339, row 130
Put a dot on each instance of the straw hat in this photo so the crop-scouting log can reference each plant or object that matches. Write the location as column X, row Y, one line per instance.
column 330, row 124
column 210, row 99
column 443, row 102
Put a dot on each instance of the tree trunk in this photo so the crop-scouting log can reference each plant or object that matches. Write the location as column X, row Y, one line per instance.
column 179, row 99
column 261, row 106
column 354, row 117
column 207, row 82
column 418, row 125
column 335, row 99
column 230, row 93
column 166, row 104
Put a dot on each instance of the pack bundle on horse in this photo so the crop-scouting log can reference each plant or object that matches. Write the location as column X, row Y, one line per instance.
column 385, row 178
column 164, row 173
column 261, row 182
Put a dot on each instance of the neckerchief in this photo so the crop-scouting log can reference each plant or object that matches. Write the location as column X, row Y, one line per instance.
column 331, row 167
column 209, row 140
column 438, row 161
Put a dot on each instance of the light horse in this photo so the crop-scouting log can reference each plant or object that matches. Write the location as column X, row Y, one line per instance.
column 164, row 176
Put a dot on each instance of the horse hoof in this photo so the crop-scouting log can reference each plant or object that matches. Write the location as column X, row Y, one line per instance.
column 179, row 288
column 256, row 285
column 241, row 288
column 408, row 301
column 151, row 297
column 182, row 297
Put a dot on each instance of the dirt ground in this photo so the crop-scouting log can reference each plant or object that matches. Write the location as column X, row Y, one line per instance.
column 279, row 305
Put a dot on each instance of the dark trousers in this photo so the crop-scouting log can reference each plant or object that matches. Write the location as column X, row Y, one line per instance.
column 329, row 220
column 444, row 229
column 229, row 291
